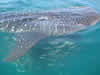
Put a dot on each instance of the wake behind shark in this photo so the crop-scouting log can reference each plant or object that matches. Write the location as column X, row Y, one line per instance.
column 32, row 27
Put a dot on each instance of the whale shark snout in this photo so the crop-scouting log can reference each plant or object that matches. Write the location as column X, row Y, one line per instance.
column 92, row 15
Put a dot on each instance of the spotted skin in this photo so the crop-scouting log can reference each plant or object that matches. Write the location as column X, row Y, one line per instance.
column 32, row 27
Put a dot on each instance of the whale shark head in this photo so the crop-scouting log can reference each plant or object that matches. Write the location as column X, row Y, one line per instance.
column 88, row 16
column 92, row 16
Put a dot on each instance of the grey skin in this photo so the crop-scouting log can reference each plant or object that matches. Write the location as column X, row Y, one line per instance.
column 32, row 27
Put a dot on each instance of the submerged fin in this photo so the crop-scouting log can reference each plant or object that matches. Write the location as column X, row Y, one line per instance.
column 24, row 41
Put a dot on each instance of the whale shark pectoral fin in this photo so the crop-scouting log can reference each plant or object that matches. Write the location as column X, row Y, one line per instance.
column 24, row 41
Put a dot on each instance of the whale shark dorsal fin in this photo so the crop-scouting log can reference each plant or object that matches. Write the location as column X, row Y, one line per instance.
column 24, row 41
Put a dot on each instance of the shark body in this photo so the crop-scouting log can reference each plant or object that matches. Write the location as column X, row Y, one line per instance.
column 32, row 27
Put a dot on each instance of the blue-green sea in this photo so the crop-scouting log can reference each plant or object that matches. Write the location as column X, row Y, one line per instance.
column 76, row 54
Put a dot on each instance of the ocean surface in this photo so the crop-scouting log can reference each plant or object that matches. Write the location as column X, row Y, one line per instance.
column 77, row 54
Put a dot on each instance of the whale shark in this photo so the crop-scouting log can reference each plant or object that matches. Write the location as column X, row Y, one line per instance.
column 30, row 28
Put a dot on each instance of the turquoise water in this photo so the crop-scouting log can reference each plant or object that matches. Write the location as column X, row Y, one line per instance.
column 77, row 54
